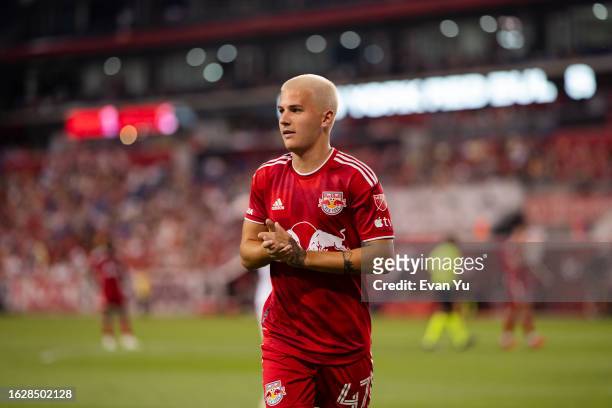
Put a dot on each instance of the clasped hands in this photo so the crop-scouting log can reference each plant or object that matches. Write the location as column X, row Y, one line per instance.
column 280, row 246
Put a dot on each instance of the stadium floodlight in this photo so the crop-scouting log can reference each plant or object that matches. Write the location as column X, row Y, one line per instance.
column 316, row 44
column 227, row 53
column 580, row 81
column 511, row 39
column 196, row 57
column 350, row 40
column 213, row 72
column 374, row 54
column 449, row 28
column 112, row 66
column 488, row 24
column 600, row 11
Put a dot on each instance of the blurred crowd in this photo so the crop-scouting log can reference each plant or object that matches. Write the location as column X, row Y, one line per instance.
column 176, row 203
column 82, row 195
column 466, row 147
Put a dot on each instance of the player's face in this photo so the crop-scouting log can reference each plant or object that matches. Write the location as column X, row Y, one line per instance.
column 300, row 120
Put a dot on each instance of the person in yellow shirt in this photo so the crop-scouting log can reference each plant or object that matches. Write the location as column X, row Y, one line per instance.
column 142, row 289
column 448, row 317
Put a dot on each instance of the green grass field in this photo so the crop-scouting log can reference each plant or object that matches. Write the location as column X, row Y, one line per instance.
column 215, row 362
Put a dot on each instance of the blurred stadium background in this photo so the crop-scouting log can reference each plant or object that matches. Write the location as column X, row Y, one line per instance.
column 143, row 120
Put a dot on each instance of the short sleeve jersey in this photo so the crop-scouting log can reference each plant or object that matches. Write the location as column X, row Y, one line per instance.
column 109, row 275
column 319, row 316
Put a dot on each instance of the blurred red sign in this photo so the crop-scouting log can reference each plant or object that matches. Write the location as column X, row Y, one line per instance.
column 92, row 123
column 107, row 121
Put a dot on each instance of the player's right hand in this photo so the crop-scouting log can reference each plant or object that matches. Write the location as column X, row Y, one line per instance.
column 280, row 246
column 276, row 240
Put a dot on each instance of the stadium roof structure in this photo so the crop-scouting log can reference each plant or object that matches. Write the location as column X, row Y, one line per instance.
column 241, row 28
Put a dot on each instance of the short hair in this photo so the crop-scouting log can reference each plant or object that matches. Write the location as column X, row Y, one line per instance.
column 508, row 224
column 323, row 90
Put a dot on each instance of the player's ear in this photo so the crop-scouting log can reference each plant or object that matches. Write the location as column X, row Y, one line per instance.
column 328, row 118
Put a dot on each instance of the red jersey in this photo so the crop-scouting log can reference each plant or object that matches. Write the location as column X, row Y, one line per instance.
column 317, row 316
column 518, row 278
column 109, row 273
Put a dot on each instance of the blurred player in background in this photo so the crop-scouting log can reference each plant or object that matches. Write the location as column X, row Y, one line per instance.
column 136, row 257
column 311, row 213
column 111, row 276
column 142, row 290
column 519, row 283
column 449, row 316
column 262, row 291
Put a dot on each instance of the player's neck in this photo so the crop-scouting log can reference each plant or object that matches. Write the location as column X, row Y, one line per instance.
column 311, row 159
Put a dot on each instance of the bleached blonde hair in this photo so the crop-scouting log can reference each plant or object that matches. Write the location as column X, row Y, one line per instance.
column 323, row 90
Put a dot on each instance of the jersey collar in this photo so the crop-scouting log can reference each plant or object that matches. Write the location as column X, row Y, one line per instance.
column 310, row 173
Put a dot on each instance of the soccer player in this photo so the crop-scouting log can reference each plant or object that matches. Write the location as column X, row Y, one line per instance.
column 263, row 289
column 110, row 274
column 311, row 213
column 449, row 316
column 519, row 282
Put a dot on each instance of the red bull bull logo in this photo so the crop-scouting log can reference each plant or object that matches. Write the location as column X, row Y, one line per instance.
column 332, row 202
column 313, row 239
column 274, row 393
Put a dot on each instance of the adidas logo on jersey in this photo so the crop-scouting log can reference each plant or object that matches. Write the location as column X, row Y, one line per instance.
column 278, row 205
